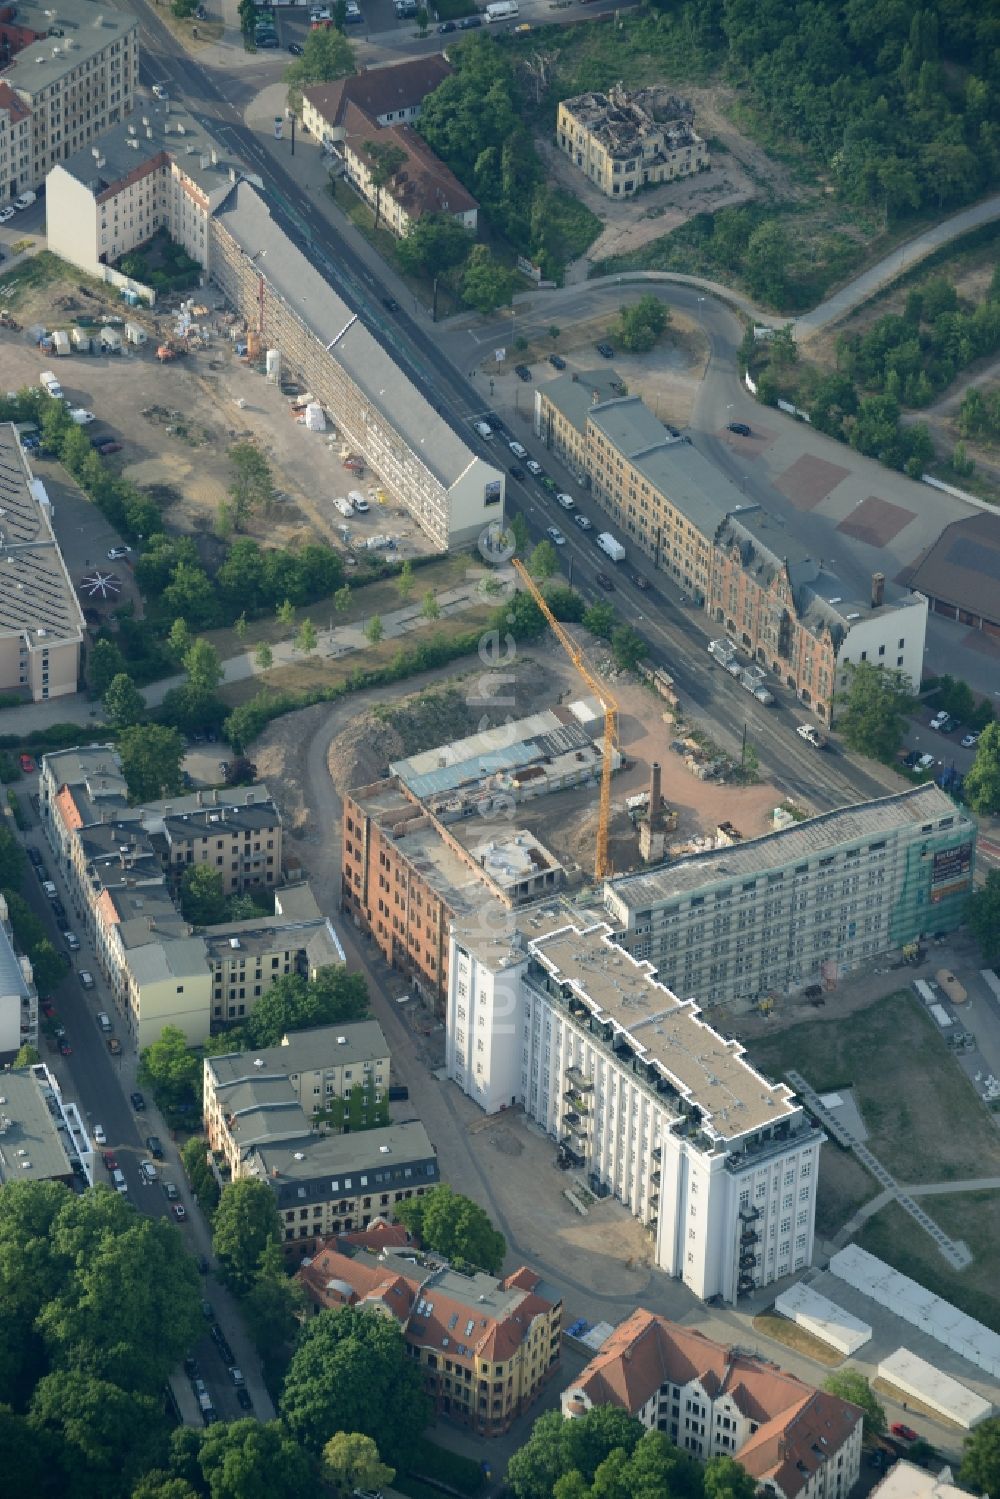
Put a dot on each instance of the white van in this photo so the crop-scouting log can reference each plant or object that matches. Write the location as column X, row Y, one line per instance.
column 517, row 449
column 485, row 430
column 359, row 502
column 104, row 1021
column 344, row 506
column 118, row 1180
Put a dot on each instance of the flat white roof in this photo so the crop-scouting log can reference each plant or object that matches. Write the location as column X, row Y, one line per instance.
column 823, row 1318
column 915, row 1376
column 906, row 1481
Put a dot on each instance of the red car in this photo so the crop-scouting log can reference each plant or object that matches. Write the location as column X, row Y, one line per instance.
column 105, row 448
column 110, row 1160
column 180, row 1211
column 27, row 764
column 49, row 1009
column 65, row 1049
column 905, row 1433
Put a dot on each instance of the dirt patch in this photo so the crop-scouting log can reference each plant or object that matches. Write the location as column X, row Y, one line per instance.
column 773, row 1325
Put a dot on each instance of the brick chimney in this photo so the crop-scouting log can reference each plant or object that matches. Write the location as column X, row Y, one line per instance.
column 655, row 799
column 878, row 590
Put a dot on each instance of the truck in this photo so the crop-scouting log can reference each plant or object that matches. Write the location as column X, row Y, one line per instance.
column 502, row 10
column 50, row 385
column 610, row 547
column 752, row 680
column 60, row 343
column 722, row 651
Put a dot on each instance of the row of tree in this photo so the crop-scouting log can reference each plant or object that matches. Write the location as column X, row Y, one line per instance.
column 49, row 967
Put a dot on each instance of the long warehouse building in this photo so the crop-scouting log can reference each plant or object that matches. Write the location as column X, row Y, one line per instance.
column 451, row 492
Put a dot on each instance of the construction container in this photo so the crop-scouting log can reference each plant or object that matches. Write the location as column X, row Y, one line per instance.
column 135, row 333
column 60, row 342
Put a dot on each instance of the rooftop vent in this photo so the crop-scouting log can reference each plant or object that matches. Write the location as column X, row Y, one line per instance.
column 383, row 1150
column 341, row 1040
column 234, row 942
column 259, row 1062
column 299, row 1155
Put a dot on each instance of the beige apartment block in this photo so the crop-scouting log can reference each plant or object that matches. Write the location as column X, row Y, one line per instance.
column 422, row 184
column 624, row 142
column 75, row 68
column 41, row 623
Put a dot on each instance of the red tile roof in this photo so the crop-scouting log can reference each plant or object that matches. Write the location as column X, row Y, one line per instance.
column 380, row 1234
column 10, row 101
column 423, row 183
column 379, row 91
column 797, row 1424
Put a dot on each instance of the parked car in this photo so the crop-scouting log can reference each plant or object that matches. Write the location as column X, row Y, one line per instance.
column 517, row 448
column 171, row 1190
column 86, row 979
column 72, row 941
column 445, row 27
column 520, row 370
column 115, row 552
column 100, row 1138
column 469, row 23
column 65, row 1049
column 108, row 446
column 148, row 1171
column 603, row 581
column 643, row 584
column 114, row 1046
column 34, row 856
column 390, row 304
column 555, row 535
column 566, row 501
column 942, row 722
column 557, row 361
column 583, row 522
column 925, row 762
column 740, row 428
column 110, row 1160
column 59, row 912
column 905, row 1433
column 968, row 740
column 154, row 1147
column 50, row 890
column 295, row 49
column 605, row 351
column 243, row 1397
column 534, row 467
column 6, row 214
column 137, row 1101
column 179, row 1210
column 28, row 765
column 159, row 91
column 48, row 1009
column 515, row 472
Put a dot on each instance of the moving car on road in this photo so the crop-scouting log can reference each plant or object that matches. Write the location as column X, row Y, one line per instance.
column 556, row 536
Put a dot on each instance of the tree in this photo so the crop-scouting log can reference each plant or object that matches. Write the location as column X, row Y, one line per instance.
column 518, row 533
column 351, row 1462
column 245, row 1223
column 202, row 895
column 599, row 619
column 435, row 244
column 24, row 1459
column 199, row 1173
column 422, row 19
column 848, row 1384
column 982, row 780
column 724, row 1478
column 565, row 602
column 641, row 324
column 374, row 630
column 240, row 771
column 183, row 10
column 405, row 580
column 286, row 613
column 454, row 1226
column 349, row 1368
column 554, row 332
column 192, row 595
column 429, row 607
column 27, row 1056
column 104, row 663
column 984, row 916
column 326, row 54
column 240, row 627
column 124, row 704
column 544, row 560
column 151, row 761
column 158, row 1484
column 100, row 1438
column 264, row 656
column 251, row 1459
column 271, row 1306
column 293, row 1004
column 385, row 161
column 203, row 667
column 305, row 640
column 559, row 1447
column 170, row 1068
column 980, row 1470
column 342, row 598
column 251, row 487
column 627, row 647
column 875, row 709
column 179, row 640
column 486, row 284
column 12, row 861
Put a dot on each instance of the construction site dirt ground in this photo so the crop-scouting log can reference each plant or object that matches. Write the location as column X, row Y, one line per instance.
column 176, row 423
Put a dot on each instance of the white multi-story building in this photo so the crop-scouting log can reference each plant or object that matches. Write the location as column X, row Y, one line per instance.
column 807, row 904
column 645, row 1098
column 159, row 170
column 75, row 69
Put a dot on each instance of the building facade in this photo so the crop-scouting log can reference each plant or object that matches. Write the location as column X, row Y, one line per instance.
column 624, row 142
column 18, row 995
column 386, row 96
column 644, row 1099
column 159, row 170
column 406, row 876
column 453, row 495
column 75, row 70
column 41, row 623
column 486, row 1347
column 246, row 1094
column 809, row 904
column 422, row 183
column 15, row 144
column 714, row 1401
column 799, row 620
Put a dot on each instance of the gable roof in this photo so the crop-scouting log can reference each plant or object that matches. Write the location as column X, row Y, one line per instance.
column 963, row 566
column 379, row 91
column 423, row 184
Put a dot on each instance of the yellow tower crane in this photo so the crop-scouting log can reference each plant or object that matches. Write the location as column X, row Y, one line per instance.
column 602, row 861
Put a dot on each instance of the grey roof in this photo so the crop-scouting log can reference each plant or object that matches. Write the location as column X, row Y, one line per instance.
column 181, row 958
column 504, row 747
column 672, row 465
column 86, row 30
column 247, row 218
column 573, row 394
column 818, row 835
column 12, row 981
column 303, row 1051
column 155, row 129
column 31, row 1148
column 37, row 598
column 320, row 1166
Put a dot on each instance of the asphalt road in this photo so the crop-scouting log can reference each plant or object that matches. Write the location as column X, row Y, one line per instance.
column 100, row 1084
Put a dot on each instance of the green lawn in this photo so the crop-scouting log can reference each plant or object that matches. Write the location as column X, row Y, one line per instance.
column 925, row 1121
column 973, row 1217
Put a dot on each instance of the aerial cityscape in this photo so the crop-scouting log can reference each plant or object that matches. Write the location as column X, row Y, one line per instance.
column 499, row 749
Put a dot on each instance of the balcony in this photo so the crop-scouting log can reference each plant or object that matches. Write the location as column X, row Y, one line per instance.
column 578, row 1081
column 655, row 1178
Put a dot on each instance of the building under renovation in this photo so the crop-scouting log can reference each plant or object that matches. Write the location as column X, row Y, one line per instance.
column 288, row 305
column 624, row 142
